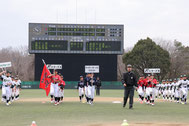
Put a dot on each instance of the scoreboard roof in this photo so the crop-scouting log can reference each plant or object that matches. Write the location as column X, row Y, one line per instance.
column 76, row 38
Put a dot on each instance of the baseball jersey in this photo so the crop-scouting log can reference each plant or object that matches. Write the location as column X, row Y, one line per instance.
column 80, row 84
column 92, row 81
column 17, row 84
column 86, row 81
column 153, row 83
column 55, row 78
column 6, row 80
column 176, row 86
column 165, row 86
column 168, row 86
column 140, row 83
column 184, row 83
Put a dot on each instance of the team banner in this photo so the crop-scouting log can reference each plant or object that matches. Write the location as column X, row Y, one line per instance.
column 5, row 64
column 54, row 66
column 92, row 69
column 152, row 70
column 45, row 82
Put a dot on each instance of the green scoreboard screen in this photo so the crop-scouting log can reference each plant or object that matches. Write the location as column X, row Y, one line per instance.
column 75, row 38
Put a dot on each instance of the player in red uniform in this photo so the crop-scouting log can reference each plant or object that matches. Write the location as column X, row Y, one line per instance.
column 148, row 89
column 54, row 91
column 152, row 85
column 141, row 84
column 61, row 88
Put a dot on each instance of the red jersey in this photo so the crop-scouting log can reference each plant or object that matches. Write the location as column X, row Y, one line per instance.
column 141, row 83
column 148, row 82
column 154, row 82
column 55, row 78
column 62, row 82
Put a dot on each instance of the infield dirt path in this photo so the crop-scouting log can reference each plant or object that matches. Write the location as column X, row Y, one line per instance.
column 75, row 99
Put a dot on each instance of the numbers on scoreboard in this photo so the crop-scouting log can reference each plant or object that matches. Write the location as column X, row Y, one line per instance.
column 49, row 45
column 76, row 46
column 76, row 32
column 103, row 46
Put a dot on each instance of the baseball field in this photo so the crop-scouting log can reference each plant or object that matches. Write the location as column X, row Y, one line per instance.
column 33, row 105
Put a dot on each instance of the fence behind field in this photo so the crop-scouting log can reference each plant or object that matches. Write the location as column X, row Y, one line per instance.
column 71, row 84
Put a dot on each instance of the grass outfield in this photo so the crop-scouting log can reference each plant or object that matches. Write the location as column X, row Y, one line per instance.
column 73, row 113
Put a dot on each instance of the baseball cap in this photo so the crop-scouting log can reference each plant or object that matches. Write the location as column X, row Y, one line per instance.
column 129, row 66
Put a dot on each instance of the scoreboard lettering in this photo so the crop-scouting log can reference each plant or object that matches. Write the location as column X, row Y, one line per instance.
column 75, row 38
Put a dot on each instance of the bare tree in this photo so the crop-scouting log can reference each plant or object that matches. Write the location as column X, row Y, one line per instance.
column 179, row 56
column 22, row 62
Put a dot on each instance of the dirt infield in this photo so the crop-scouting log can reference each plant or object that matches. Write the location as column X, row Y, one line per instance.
column 136, row 124
column 75, row 99
column 72, row 99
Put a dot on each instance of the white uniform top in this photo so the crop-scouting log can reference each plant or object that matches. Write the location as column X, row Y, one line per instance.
column 176, row 85
column 16, row 83
column 6, row 80
column 184, row 83
column 158, row 86
column 163, row 86
column 19, row 81
column 166, row 86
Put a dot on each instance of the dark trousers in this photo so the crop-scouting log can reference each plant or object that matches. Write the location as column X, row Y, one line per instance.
column 97, row 91
column 128, row 92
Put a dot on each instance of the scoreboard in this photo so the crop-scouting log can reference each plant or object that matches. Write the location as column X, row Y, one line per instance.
column 76, row 38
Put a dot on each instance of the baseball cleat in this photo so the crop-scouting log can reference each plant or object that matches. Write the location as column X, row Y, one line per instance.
column 7, row 104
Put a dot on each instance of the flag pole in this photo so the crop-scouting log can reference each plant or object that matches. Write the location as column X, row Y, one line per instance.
column 45, row 64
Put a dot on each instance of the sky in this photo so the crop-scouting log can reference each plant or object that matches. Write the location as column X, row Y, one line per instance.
column 165, row 19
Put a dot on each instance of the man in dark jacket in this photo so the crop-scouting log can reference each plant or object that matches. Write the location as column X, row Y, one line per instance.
column 129, row 81
column 98, row 85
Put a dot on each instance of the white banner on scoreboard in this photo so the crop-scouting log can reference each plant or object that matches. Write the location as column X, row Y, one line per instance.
column 5, row 64
column 152, row 70
column 92, row 69
column 54, row 66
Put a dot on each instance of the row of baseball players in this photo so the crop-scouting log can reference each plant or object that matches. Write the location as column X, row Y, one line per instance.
column 149, row 89
column 10, row 87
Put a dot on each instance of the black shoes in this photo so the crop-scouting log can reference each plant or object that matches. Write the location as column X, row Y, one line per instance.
column 123, row 106
column 130, row 107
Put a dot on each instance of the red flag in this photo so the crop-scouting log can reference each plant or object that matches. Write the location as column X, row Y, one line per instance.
column 45, row 82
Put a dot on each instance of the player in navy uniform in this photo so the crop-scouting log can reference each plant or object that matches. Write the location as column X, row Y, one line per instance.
column 86, row 83
column 91, row 88
column 80, row 88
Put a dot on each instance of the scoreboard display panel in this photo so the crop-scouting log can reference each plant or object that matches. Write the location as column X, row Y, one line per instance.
column 76, row 38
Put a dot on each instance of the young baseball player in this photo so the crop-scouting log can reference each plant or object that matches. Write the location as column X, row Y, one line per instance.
column 91, row 88
column 86, row 83
column 140, row 90
column 157, row 88
column 80, row 88
column 184, row 89
column 7, row 82
column 17, row 88
column 55, row 80
column 172, row 91
column 61, row 89
column 148, row 89
column 153, row 86
column 164, row 89
column 176, row 91
column 13, row 89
